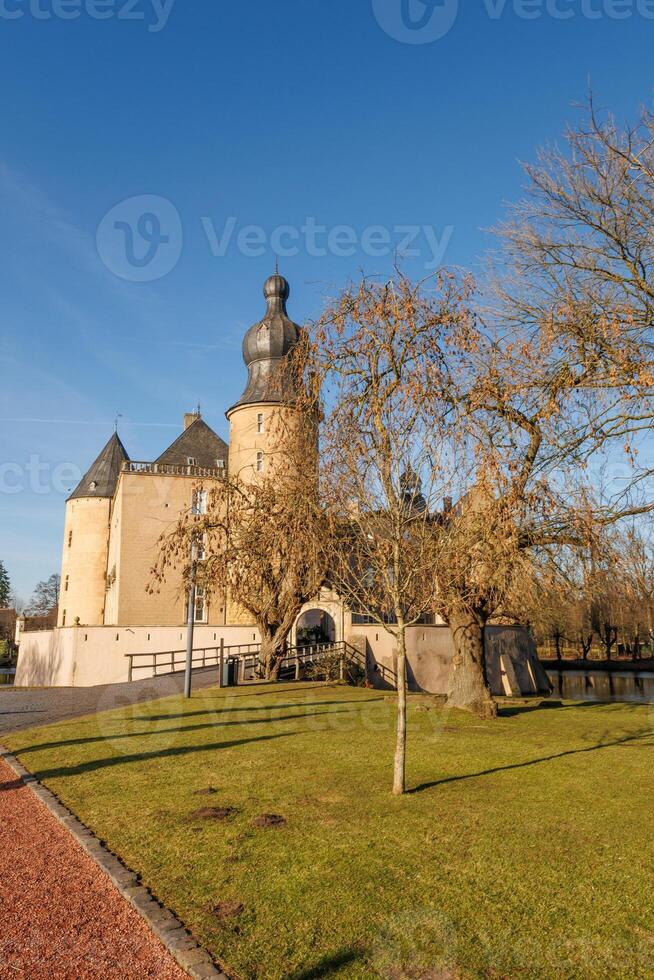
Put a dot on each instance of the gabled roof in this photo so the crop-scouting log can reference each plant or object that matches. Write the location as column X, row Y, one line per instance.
column 102, row 477
column 199, row 443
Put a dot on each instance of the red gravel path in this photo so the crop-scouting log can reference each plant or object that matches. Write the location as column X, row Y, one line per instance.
column 61, row 917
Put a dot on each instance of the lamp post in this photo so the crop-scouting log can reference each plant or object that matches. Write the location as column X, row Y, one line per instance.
column 190, row 626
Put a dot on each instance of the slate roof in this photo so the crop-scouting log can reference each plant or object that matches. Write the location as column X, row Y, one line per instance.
column 101, row 478
column 199, row 443
column 266, row 345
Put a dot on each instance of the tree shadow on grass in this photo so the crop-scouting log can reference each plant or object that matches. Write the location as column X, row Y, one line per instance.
column 327, row 965
column 173, row 752
column 510, row 711
column 180, row 730
column 635, row 737
column 254, row 707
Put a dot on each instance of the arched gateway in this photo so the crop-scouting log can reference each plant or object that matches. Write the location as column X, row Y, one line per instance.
column 315, row 626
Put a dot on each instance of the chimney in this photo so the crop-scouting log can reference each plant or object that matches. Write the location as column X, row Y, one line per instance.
column 190, row 418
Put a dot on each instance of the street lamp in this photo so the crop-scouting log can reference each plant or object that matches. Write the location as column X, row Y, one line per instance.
column 190, row 627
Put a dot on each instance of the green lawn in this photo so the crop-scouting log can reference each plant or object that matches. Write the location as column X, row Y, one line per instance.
column 526, row 848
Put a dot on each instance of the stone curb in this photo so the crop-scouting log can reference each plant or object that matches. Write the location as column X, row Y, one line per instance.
column 160, row 920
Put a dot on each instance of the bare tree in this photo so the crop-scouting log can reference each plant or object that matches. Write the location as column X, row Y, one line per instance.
column 382, row 474
column 45, row 597
column 257, row 543
column 518, row 406
column 556, row 371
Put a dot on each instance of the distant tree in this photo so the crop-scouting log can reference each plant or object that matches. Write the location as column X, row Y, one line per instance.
column 45, row 597
column 5, row 586
column 17, row 602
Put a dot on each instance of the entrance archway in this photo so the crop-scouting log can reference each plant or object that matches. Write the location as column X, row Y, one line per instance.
column 315, row 626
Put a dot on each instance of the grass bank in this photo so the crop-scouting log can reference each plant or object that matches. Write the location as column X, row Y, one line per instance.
column 524, row 849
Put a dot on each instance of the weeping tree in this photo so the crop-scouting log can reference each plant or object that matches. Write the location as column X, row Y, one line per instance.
column 523, row 398
column 555, row 376
column 257, row 541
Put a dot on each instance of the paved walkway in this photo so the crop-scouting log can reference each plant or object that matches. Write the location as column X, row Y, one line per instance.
column 26, row 707
column 60, row 914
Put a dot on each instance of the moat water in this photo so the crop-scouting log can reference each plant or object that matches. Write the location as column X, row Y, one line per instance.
column 636, row 687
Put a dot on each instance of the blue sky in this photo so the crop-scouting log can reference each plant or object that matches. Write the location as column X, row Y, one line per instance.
column 219, row 116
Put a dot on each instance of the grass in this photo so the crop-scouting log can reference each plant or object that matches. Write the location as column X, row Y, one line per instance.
column 524, row 849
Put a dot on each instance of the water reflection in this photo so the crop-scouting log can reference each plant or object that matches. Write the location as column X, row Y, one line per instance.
column 600, row 685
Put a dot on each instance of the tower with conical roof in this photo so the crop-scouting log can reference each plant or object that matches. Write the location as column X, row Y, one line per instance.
column 86, row 539
column 253, row 420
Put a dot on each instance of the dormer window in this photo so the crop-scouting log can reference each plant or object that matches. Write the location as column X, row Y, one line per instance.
column 190, row 460
column 220, row 464
column 92, row 485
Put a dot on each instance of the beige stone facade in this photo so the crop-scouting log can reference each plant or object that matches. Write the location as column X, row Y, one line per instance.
column 255, row 435
column 84, row 561
column 111, row 545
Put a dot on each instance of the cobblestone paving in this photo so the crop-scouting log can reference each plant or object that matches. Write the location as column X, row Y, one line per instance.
column 26, row 707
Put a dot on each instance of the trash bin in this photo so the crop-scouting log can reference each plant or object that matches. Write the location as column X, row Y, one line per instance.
column 230, row 672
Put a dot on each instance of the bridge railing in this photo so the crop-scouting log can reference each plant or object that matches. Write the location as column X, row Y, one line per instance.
column 247, row 657
column 171, row 661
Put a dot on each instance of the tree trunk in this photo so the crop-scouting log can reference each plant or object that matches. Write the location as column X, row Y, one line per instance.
column 270, row 655
column 468, row 687
column 399, row 765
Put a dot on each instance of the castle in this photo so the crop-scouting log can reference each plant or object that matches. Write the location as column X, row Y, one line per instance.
column 116, row 515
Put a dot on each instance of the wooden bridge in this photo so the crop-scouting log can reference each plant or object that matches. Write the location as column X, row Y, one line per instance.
column 242, row 663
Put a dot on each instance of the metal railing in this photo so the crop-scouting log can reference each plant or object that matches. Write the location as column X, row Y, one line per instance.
column 172, row 661
column 247, row 657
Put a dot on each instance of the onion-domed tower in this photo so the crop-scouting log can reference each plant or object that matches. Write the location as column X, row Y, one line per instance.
column 254, row 433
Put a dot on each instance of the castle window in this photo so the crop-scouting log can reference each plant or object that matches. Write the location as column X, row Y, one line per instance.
column 199, row 502
column 259, row 466
column 63, row 618
column 70, row 538
column 260, row 423
column 199, row 550
column 200, row 611
column 66, row 584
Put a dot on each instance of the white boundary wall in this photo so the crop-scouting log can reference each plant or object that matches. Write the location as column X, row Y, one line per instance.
column 83, row 656
column 511, row 658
